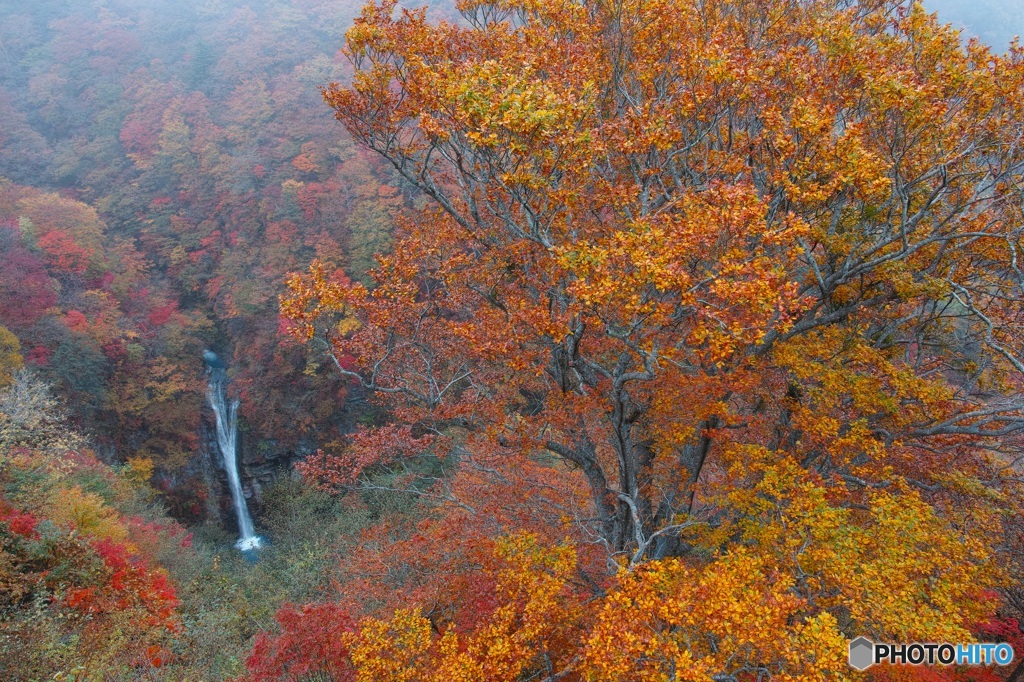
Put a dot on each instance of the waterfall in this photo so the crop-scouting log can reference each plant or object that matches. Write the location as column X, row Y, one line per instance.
column 227, row 439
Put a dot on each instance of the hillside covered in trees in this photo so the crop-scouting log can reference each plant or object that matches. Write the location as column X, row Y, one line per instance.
column 571, row 340
column 166, row 165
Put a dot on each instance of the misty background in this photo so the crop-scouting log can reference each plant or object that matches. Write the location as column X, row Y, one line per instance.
column 995, row 22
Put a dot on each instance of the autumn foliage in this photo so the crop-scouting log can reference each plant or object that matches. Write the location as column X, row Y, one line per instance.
column 80, row 592
column 709, row 332
column 631, row 340
column 163, row 166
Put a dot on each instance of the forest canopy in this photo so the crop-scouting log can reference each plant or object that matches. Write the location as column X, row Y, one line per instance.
column 726, row 294
column 572, row 340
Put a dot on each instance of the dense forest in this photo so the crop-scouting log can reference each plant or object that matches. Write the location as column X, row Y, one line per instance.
column 570, row 339
column 166, row 165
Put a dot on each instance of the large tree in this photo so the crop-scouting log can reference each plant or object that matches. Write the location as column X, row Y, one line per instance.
column 707, row 275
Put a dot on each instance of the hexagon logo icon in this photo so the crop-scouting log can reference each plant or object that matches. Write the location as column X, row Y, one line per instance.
column 861, row 653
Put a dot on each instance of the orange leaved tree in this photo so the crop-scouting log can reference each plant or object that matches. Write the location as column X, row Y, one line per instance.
column 729, row 290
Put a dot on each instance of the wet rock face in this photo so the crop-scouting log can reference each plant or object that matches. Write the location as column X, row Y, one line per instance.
column 258, row 462
column 264, row 461
column 261, row 462
column 212, row 360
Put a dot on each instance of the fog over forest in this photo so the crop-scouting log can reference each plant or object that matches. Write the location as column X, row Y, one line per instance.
column 536, row 340
column 994, row 21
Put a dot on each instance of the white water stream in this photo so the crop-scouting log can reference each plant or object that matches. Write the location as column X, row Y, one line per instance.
column 227, row 439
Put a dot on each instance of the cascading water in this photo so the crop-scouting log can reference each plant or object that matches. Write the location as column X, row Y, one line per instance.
column 227, row 439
